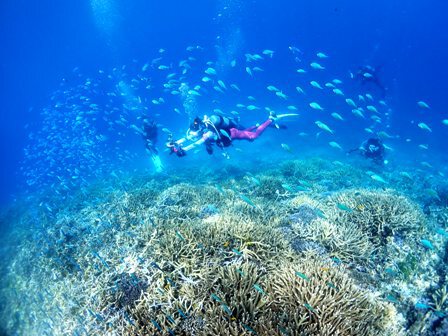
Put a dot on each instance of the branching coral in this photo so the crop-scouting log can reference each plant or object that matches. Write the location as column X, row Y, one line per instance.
column 315, row 298
column 380, row 213
column 205, row 260
column 356, row 225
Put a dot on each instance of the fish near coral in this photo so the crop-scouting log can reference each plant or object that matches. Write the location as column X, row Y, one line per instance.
column 427, row 244
column 259, row 289
column 309, row 307
column 303, row 276
column 344, row 207
column 246, row 199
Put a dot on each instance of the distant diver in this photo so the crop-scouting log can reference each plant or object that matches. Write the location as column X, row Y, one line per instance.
column 150, row 133
column 368, row 75
column 220, row 131
column 372, row 149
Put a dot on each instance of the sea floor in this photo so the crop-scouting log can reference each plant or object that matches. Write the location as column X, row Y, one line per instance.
column 303, row 247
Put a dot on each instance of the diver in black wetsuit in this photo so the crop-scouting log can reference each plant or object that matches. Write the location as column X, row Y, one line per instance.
column 150, row 136
column 368, row 75
column 372, row 149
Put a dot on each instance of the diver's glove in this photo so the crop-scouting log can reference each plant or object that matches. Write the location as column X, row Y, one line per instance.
column 176, row 148
column 181, row 152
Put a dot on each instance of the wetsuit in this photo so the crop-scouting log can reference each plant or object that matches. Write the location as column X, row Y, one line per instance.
column 373, row 149
column 368, row 74
column 150, row 136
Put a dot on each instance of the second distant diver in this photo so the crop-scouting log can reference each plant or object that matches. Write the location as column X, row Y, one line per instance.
column 372, row 149
column 369, row 75
column 217, row 130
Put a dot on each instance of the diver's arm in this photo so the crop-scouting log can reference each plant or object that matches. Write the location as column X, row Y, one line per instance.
column 181, row 141
column 360, row 149
column 205, row 137
column 353, row 150
column 186, row 138
column 194, row 145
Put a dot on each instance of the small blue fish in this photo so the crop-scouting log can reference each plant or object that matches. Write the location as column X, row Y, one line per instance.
column 181, row 313
column 442, row 232
column 237, row 252
column 390, row 272
column 392, row 298
column 319, row 213
column 100, row 258
column 180, row 235
column 336, row 260
column 224, row 133
column 240, row 272
column 259, row 289
column 154, row 264
column 157, row 325
column 440, row 313
column 344, row 207
column 255, row 180
column 305, row 183
column 226, row 309
column 127, row 318
column 171, row 282
column 282, row 330
column 427, row 244
column 331, row 285
column 249, row 329
column 134, row 279
column 303, row 276
column 219, row 188
column 247, row 200
column 287, row 187
column 422, row 306
column 309, row 307
column 216, row 298
column 170, row 319
column 300, row 188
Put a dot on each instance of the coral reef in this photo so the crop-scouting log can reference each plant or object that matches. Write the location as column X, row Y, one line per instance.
column 318, row 298
column 357, row 224
column 277, row 253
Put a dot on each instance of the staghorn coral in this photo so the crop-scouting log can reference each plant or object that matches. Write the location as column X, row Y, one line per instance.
column 358, row 224
column 440, row 298
column 382, row 213
column 322, row 174
column 316, row 298
column 269, row 187
column 148, row 260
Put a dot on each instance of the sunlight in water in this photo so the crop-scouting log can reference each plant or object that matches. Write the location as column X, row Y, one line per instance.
column 188, row 101
column 230, row 41
column 105, row 15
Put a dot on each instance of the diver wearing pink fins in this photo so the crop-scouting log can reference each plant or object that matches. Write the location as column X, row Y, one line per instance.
column 220, row 131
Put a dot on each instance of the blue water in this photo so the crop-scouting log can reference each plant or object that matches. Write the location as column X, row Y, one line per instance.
column 43, row 41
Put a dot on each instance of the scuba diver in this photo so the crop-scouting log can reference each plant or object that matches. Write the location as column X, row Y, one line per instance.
column 150, row 136
column 372, row 149
column 368, row 75
column 219, row 131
